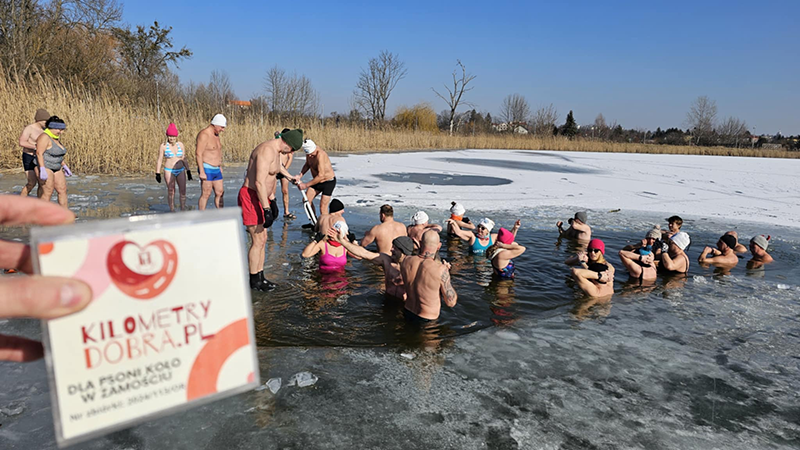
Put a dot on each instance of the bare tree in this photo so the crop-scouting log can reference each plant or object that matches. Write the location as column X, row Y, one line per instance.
column 515, row 109
column 290, row 95
column 732, row 131
column 543, row 120
column 454, row 95
column 220, row 89
column 376, row 83
column 701, row 117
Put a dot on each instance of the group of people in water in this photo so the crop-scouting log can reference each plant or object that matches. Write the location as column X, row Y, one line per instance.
column 415, row 275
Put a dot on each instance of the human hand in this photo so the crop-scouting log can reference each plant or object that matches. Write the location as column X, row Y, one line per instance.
column 648, row 258
column 606, row 276
column 42, row 173
column 517, row 224
column 446, row 264
column 334, row 234
column 707, row 250
column 559, row 224
column 67, row 172
column 582, row 257
column 302, row 186
column 202, row 176
column 40, row 297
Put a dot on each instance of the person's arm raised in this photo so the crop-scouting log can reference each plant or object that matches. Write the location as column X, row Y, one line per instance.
column 465, row 235
column 356, row 250
column 514, row 250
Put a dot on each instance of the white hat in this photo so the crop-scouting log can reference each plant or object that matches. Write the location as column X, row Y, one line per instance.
column 419, row 218
column 681, row 239
column 219, row 120
column 309, row 146
column 457, row 209
column 486, row 223
column 341, row 227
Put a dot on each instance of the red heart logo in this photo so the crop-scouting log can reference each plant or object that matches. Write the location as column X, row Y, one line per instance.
column 142, row 272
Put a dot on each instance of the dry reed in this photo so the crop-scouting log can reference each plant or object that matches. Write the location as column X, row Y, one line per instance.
column 107, row 134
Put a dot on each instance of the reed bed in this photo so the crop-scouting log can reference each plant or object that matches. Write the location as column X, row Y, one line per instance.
column 112, row 135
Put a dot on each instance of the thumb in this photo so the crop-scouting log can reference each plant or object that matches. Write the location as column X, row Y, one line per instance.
column 42, row 297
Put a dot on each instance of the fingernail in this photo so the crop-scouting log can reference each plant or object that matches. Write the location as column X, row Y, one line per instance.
column 69, row 296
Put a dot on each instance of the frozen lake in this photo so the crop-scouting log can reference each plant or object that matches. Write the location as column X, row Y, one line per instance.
column 699, row 362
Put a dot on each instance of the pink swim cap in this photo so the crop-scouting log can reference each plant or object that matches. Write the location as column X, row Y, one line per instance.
column 172, row 130
column 598, row 244
column 505, row 236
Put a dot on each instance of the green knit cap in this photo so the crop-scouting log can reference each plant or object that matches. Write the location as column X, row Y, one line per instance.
column 294, row 138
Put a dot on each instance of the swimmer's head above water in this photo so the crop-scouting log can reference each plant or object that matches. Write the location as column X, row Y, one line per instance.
column 219, row 122
column 419, row 218
column 386, row 212
column 485, row 227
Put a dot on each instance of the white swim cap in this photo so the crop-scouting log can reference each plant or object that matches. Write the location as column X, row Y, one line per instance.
column 486, row 223
column 457, row 209
column 681, row 239
column 219, row 120
column 309, row 146
column 419, row 218
column 341, row 227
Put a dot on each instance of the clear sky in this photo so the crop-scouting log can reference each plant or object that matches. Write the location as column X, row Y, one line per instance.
column 639, row 63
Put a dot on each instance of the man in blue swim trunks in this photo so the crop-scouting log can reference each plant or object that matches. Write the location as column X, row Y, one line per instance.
column 208, row 152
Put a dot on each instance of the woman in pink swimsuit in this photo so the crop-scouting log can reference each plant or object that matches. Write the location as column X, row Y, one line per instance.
column 333, row 256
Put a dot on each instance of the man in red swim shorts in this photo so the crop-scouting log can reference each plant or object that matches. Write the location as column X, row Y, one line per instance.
column 258, row 209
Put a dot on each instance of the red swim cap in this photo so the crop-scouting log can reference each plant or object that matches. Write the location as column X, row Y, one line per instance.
column 505, row 236
column 172, row 130
column 597, row 244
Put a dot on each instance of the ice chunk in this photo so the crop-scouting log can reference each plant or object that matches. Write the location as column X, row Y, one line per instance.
column 302, row 379
column 507, row 335
column 407, row 355
column 784, row 286
column 14, row 409
column 274, row 384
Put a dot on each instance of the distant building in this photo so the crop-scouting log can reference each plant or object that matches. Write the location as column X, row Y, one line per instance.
column 241, row 104
column 500, row 126
column 772, row 146
column 520, row 130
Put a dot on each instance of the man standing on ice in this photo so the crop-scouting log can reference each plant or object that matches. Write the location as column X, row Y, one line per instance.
column 258, row 210
column 324, row 180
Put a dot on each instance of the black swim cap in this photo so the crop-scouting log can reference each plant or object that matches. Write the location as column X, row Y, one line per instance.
column 335, row 206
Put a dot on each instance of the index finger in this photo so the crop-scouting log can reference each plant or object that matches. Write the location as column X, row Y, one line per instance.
column 16, row 210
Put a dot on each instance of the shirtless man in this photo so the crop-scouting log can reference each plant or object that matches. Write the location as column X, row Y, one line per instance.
column 577, row 228
column 384, row 233
column 286, row 161
column 419, row 225
column 27, row 140
column 723, row 256
column 324, row 180
column 335, row 214
column 427, row 281
column 758, row 247
column 675, row 260
column 208, row 153
column 258, row 211
column 401, row 248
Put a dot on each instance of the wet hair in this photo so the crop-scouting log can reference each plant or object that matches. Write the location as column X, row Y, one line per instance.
column 676, row 220
column 387, row 210
column 53, row 119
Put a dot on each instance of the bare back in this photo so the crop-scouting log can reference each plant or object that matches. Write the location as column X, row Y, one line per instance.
column 415, row 232
column 383, row 234
column 208, row 147
column 423, row 281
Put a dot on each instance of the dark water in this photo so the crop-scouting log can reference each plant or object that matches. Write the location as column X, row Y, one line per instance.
column 349, row 309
